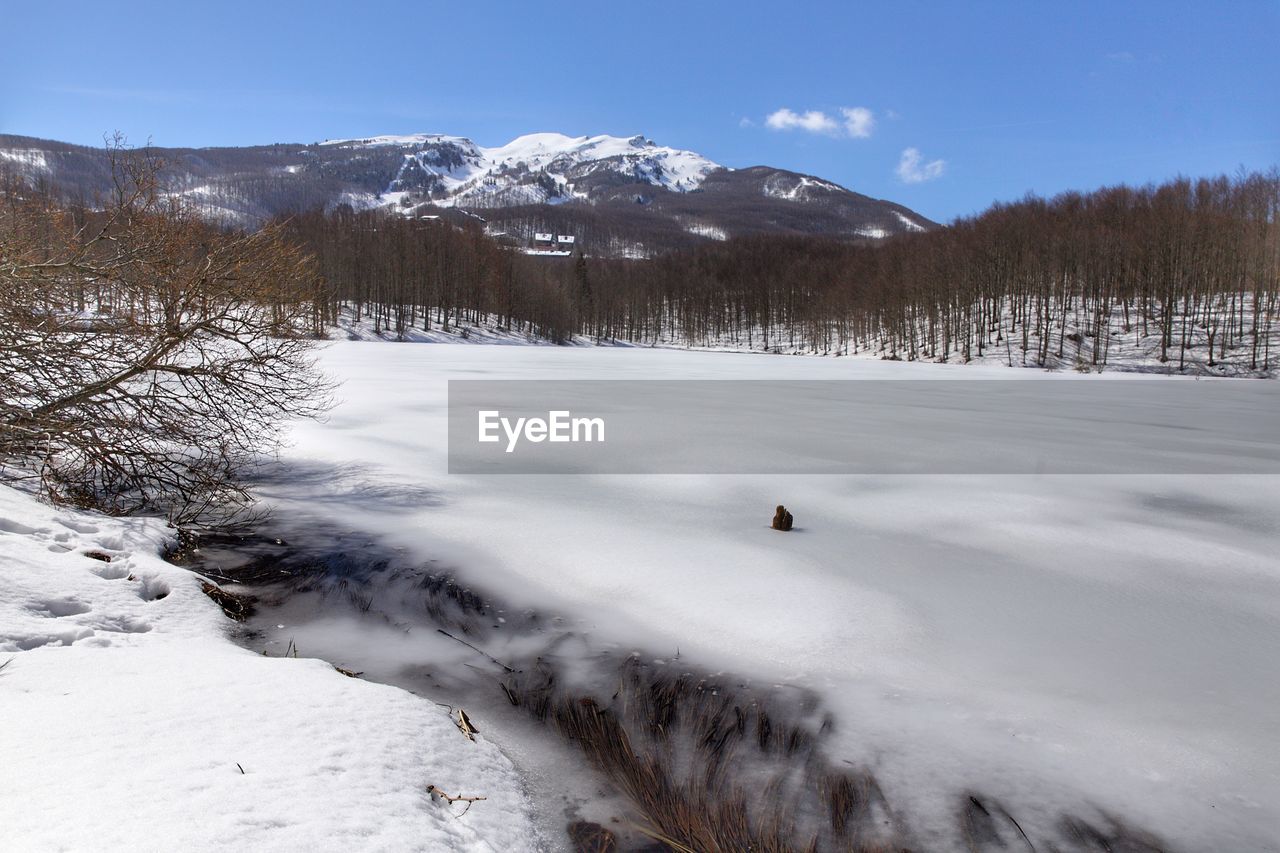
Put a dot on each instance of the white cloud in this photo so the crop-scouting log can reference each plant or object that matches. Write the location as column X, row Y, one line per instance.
column 857, row 122
column 913, row 170
column 813, row 121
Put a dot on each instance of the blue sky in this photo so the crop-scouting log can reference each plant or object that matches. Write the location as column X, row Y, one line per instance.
column 944, row 107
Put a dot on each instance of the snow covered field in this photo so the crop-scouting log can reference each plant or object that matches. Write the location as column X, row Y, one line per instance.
column 1063, row 643
column 131, row 722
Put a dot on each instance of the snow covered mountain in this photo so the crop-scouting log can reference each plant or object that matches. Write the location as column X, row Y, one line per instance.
column 531, row 169
column 620, row 196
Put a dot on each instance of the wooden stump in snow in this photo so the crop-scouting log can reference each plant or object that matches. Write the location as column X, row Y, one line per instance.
column 782, row 519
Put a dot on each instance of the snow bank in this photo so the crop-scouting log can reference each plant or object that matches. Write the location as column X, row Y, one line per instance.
column 131, row 722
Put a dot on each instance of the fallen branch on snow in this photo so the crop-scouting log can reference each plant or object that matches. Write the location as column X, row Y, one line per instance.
column 436, row 792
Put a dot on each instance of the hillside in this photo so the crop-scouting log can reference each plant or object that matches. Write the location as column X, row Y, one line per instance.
column 616, row 196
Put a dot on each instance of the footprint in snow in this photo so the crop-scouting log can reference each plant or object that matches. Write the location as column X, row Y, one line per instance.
column 27, row 642
column 8, row 525
column 122, row 625
column 77, row 526
column 59, row 607
column 152, row 589
column 112, row 571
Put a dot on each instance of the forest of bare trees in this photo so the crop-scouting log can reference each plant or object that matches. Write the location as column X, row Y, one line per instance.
column 399, row 273
column 1185, row 273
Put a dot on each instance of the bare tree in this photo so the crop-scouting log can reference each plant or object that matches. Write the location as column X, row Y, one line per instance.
column 147, row 360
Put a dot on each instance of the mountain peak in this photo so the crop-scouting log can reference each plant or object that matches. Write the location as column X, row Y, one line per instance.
column 535, row 168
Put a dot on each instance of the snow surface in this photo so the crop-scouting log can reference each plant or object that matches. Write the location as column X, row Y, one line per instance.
column 1063, row 643
column 131, row 722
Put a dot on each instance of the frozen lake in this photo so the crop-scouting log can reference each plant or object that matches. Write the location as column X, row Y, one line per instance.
column 1060, row 642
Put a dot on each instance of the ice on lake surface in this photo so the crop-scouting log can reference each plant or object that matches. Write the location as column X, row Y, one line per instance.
column 1057, row 641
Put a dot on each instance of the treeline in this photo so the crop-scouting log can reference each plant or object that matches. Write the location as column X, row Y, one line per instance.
column 1181, row 273
column 398, row 273
column 1185, row 270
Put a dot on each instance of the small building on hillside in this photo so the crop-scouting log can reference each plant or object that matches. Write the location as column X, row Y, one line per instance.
column 550, row 243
